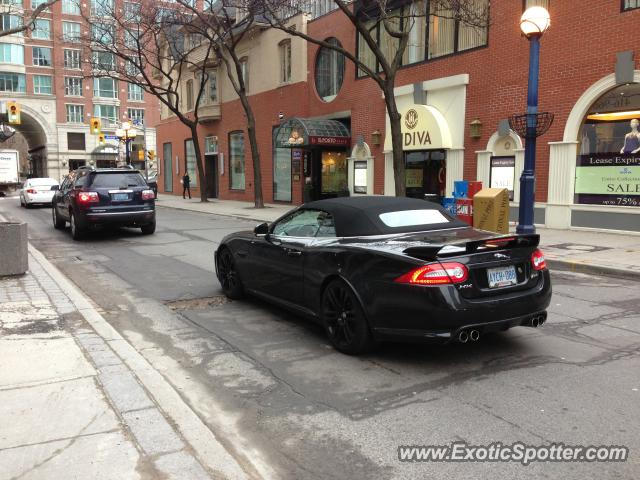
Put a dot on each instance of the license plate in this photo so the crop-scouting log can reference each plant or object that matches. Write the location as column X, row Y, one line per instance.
column 502, row 276
column 120, row 197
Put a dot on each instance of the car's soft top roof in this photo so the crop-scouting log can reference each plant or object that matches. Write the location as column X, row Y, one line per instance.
column 359, row 216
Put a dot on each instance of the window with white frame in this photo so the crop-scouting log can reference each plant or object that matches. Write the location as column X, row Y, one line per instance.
column 71, row 59
column 131, row 38
column 329, row 72
column 8, row 22
column 75, row 113
column 36, row 3
column 105, row 88
column 284, row 50
column 132, row 12
column 105, row 61
column 236, row 161
column 190, row 160
column 135, row 92
column 630, row 4
column 42, row 56
column 42, row 84
column 13, row 82
column 70, row 32
column 73, row 86
column 209, row 89
column 11, row 53
column 102, row 8
column 189, row 94
column 108, row 113
column 71, row 7
column 244, row 68
column 131, row 68
column 41, row 29
column 103, row 33
column 210, row 145
column 449, row 35
column 136, row 115
column 10, row 2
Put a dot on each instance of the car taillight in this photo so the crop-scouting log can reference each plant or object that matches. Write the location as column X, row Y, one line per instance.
column 88, row 197
column 31, row 190
column 537, row 260
column 148, row 195
column 436, row 274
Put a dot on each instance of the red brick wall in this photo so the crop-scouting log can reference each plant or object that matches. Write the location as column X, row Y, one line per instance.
column 578, row 50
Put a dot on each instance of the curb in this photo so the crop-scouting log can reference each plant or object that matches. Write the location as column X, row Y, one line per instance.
column 579, row 267
column 207, row 448
column 231, row 215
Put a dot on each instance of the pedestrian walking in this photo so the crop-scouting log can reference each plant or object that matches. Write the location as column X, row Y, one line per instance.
column 186, row 184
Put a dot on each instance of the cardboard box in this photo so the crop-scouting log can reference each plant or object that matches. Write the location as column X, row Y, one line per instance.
column 491, row 210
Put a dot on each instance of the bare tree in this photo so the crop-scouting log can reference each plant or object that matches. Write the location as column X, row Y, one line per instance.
column 224, row 24
column 29, row 19
column 145, row 44
column 393, row 19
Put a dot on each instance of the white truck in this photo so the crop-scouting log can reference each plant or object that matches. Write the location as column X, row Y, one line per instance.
column 8, row 171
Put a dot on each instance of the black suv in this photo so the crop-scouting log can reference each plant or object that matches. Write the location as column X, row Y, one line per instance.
column 111, row 196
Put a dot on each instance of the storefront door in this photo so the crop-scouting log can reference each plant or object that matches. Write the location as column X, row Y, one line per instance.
column 425, row 174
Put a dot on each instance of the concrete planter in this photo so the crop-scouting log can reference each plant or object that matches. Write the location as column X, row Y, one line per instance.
column 13, row 248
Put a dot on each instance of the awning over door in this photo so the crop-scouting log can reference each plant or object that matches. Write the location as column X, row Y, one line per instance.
column 304, row 132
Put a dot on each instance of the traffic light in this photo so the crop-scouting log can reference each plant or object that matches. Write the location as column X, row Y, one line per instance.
column 141, row 155
column 101, row 139
column 13, row 112
column 96, row 126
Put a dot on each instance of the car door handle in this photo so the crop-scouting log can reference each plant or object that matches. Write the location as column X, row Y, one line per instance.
column 293, row 253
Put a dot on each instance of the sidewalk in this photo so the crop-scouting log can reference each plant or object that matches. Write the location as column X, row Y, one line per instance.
column 580, row 251
column 77, row 401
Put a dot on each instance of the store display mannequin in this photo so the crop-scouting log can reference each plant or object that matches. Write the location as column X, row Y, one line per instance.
column 632, row 139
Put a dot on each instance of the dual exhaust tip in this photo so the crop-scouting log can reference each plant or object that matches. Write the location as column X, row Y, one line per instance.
column 536, row 321
column 468, row 335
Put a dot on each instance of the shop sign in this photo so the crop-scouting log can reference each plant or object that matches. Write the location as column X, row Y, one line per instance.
column 413, row 177
column 333, row 141
column 360, row 176
column 608, row 179
column 296, row 161
column 423, row 128
column 502, row 174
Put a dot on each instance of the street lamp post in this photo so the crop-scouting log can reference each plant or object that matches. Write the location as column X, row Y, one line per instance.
column 534, row 22
column 126, row 133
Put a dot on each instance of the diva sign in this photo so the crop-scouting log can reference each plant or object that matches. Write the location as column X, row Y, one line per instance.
column 424, row 128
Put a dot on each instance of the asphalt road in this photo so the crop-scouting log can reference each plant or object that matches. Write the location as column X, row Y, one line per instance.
column 272, row 389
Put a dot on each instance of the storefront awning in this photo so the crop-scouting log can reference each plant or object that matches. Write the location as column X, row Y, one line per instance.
column 304, row 132
column 423, row 128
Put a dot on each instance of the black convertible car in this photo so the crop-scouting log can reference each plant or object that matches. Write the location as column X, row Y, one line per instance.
column 375, row 268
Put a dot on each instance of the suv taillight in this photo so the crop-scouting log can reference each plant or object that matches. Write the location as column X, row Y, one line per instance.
column 537, row 260
column 148, row 195
column 436, row 274
column 31, row 190
column 88, row 197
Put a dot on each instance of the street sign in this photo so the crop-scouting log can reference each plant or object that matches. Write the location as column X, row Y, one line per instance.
column 111, row 137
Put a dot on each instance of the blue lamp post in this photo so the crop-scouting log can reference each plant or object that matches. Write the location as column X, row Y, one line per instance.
column 534, row 22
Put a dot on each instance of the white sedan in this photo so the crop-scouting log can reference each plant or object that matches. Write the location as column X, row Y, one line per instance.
column 38, row 190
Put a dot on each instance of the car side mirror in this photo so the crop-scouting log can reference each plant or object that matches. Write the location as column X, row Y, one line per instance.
column 261, row 229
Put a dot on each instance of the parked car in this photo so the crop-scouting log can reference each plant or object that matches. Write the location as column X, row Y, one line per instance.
column 38, row 191
column 152, row 181
column 90, row 198
column 376, row 268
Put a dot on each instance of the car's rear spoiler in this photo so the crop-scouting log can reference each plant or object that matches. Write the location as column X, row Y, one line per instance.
column 433, row 252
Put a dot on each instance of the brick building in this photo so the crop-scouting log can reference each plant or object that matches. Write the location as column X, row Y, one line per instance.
column 588, row 171
column 47, row 72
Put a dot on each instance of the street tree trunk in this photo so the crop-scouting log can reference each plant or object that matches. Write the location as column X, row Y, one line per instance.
column 202, row 177
column 255, row 152
column 396, row 137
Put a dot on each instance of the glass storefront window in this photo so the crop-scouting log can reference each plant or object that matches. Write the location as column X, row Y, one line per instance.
column 236, row 160
column 608, row 163
column 282, row 175
column 190, row 156
column 334, row 172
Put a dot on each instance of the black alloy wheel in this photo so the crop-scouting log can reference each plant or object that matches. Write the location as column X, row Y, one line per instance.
column 149, row 228
column 228, row 276
column 58, row 222
column 344, row 319
column 76, row 231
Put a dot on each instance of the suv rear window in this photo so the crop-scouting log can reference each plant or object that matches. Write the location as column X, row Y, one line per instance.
column 117, row 180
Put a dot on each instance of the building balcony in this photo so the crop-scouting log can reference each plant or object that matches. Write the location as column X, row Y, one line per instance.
column 209, row 113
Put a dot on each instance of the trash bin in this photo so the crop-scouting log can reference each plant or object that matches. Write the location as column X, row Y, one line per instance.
column 464, row 210
column 13, row 253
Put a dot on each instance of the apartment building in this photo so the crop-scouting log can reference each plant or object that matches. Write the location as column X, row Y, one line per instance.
column 323, row 129
column 47, row 71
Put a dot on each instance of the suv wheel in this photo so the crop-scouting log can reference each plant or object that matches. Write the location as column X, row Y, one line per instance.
column 58, row 222
column 77, row 232
column 149, row 228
